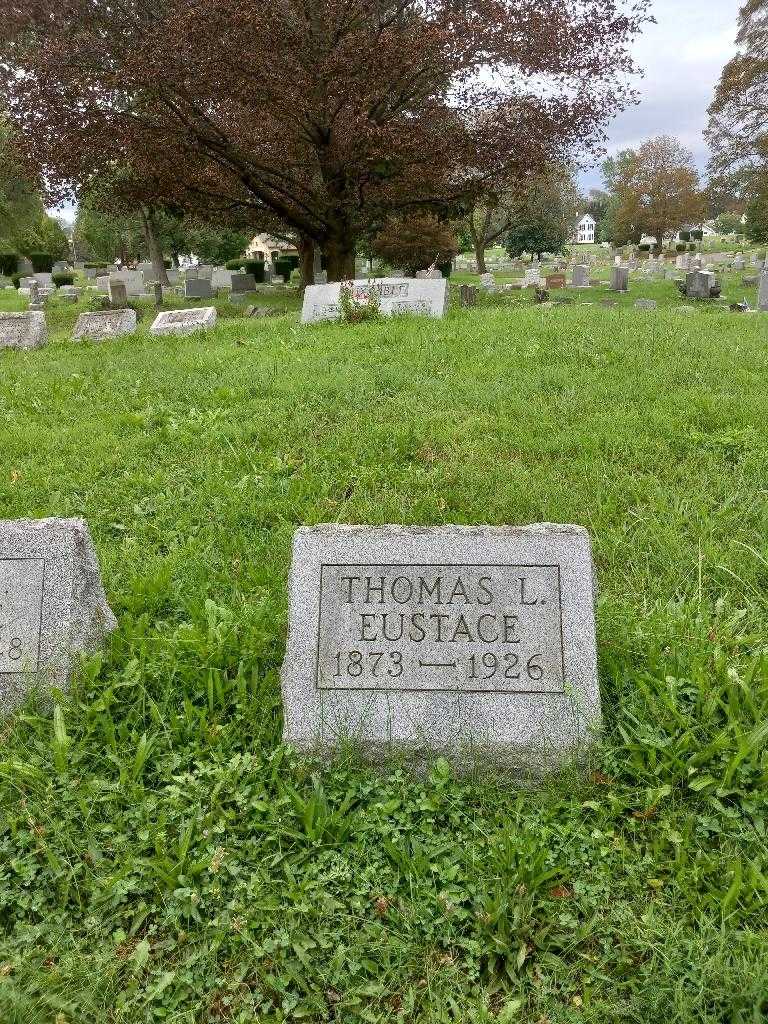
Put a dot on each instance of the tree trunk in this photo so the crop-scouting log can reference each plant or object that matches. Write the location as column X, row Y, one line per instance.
column 306, row 249
column 480, row 255
column 153, row 245
column 340, row 259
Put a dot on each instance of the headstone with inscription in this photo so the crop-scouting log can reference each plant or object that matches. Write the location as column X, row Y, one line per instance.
column 23, row 330
column 52, row 604
column 185, row 321
column 100, row 326
column 394, row 296
column 477, row 642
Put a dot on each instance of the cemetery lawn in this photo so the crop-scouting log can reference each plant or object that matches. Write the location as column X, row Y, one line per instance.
column 164, row 858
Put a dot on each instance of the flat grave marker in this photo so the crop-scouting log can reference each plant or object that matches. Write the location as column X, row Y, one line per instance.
column 102, row 325
column 52, row 604
column 185, row 321
column 476, row 642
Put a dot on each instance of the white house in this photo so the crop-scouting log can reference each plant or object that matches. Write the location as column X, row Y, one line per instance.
column 585, row 230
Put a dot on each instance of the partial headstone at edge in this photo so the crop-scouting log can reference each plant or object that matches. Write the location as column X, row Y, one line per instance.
column 52, row 604
column 476, row 643
column 23, row 330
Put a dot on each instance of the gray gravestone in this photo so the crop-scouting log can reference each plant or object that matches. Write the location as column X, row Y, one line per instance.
column 117, row 292
column 198, row 288
column 580, row 276
column 699, row 284
column 100, row 326
column 648, row 304
column 23, row 330
column 242, row 283
column 619, row 279
column 394, row 296
column 469, row 641
column 762, row 296
column 185, row 321
column 52, row 604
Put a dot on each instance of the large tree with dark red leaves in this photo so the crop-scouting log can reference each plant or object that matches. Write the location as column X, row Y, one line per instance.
column 322, row 115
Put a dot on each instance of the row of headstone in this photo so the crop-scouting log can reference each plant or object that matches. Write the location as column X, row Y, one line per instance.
column 474, row 642
column 28, row 330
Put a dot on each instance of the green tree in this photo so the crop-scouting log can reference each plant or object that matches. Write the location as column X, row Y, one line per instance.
column 212, row 245
column 756, row 228
column 544, row 213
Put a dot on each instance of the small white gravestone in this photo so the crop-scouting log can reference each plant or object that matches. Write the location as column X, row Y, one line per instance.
column 23, row 330
column 488, row 283
column 646, row 304
column 185, row 321
column 394, row 295
column 478, row 642
column 109, row 323
column 52, row 604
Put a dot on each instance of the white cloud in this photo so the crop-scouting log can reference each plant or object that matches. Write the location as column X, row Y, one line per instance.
column 682, row 55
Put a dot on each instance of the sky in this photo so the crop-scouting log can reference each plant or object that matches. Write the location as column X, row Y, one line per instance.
column 682, row 56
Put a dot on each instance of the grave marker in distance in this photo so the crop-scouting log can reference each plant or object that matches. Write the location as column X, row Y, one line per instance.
column 52, row 604
column 475, row 642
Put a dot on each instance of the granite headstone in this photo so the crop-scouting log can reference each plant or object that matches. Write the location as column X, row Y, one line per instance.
column 467, row 641
column 52, row 604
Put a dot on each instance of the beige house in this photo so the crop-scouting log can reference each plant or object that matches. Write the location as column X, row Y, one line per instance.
column 268, row 248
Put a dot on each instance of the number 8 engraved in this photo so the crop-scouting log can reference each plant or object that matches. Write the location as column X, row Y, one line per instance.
column 14, row 650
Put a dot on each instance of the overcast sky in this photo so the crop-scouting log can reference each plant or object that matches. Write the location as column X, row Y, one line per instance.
column 682, row 56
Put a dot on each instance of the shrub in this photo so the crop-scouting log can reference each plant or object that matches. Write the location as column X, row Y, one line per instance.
column 255, row 267
column 60, row 279
column 685, row 236
column 353, row 312
column 645, row 247
column 234, row 264
column 691, row 247
column 16, row 280
column 9, row 263
column 681, row 247
column 42, row 262
column 415, row 242
column 697, row 235
column 445, row 268
column 94, row 266
column 284, row 267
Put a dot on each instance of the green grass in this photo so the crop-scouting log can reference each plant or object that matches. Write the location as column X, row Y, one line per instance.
column 164, row 858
